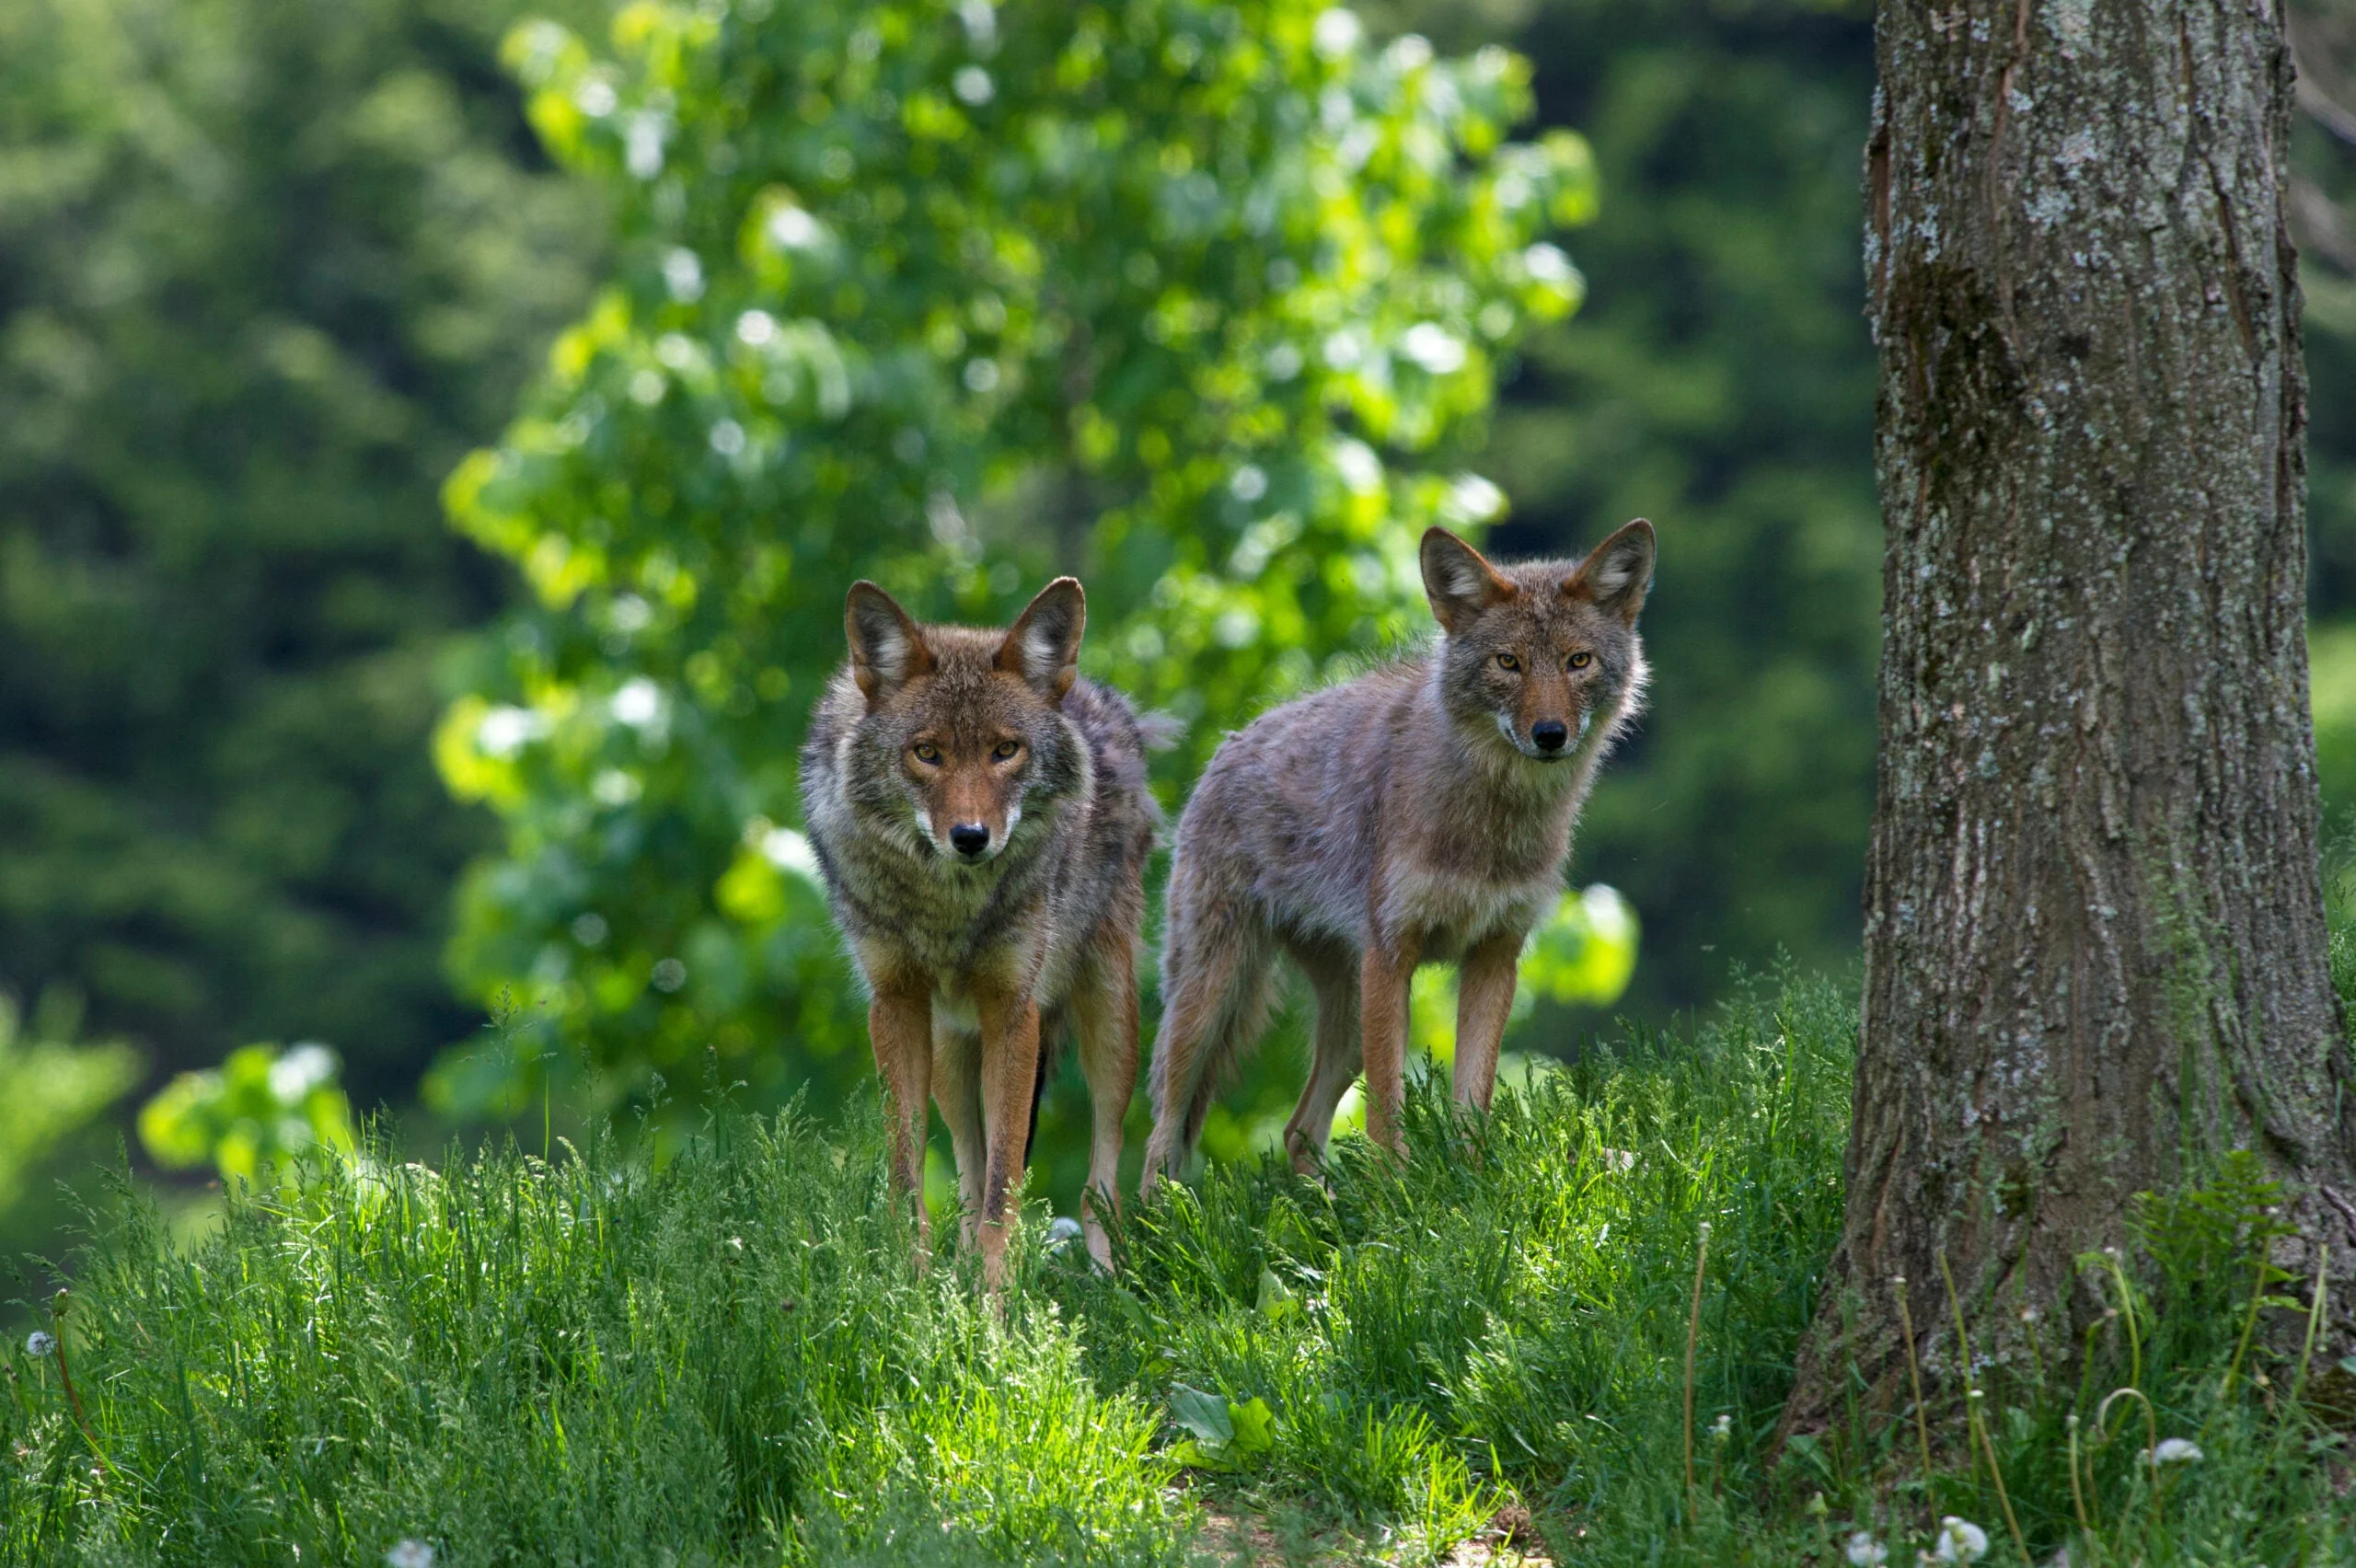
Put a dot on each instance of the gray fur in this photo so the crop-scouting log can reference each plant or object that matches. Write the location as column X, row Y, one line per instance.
column 1408, row 813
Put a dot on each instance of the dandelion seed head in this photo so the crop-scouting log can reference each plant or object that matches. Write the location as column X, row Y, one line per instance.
column 1865, row 1551
column 2175, row 1451
column 1960, row 1540
column 41, row 1343
column 410, row 1553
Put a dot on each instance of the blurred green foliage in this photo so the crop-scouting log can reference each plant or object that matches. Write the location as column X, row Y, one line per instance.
column 2322, row 209
column 1205, row 302
column 262, row 1108
column 1720, row 382
column 52, row 1086
column 268, row 269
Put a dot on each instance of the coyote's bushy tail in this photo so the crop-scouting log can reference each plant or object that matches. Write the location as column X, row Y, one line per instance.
column 1159, row 731
column 1217, row 986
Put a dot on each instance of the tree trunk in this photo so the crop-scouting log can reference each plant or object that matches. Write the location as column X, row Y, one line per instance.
column 2094, row 941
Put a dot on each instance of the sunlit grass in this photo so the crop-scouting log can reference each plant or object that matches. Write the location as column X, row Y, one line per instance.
column 733, row 1360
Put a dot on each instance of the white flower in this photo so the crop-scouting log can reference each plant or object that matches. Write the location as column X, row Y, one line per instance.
column 1062, row 1231
column 410, row 1553
column 1472, row 499
column 2175, row 1451
column 507, row 730
column 639, row 703
column 1338, row 32
column 642, row 146
column 39, row 1343
column 981, row 23
column 1409, row 51
column 790, row 229
column 1865, row 1551
column 1960, row 1540
column 790, row 851
column 1547, row 264
column 1356, row 465
column 1434, row 347
column 683, row 275
column 1722, row 1428
column 302, row 1069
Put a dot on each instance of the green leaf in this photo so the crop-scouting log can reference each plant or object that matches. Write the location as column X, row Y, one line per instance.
column 1255, row 1428
column 1204, row 1416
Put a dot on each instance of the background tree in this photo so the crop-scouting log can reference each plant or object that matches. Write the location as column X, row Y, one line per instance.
column 267, row 270
column 1718, row 380
column 1202, row 300
column 2096, row 957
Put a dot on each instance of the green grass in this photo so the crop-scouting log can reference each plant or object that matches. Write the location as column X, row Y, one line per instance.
column 732, row 1360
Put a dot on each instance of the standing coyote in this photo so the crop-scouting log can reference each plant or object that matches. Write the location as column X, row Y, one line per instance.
column 982, row 821
column 1418, row 814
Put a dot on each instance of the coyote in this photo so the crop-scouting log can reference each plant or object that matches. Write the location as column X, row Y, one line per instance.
column 982, row 821
column 1417, row 815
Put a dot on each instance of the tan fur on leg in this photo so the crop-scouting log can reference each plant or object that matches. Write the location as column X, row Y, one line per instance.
column 1104, row 1017
column 1337, row 1057
column 899, row 1022
column 1382, row 1028
column 1009, row 1077
column 1484, row 1002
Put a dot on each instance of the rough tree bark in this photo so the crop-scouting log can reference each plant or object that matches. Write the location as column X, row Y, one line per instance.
column 2095, row 940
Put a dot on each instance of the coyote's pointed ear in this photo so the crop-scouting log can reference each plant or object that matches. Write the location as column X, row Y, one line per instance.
column 1043, row 646
column 887, row 646
column 1458, row 579
column 1616, row 573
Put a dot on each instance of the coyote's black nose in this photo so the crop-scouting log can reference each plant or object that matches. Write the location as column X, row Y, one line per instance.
column 1549, row 734
column 972, row 838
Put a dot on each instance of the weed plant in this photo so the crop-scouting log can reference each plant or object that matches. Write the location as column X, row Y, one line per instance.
column 731, row 1359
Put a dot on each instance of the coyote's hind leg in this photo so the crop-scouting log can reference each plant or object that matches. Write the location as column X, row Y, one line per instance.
column 1105, row 1016
column 1336, row 1056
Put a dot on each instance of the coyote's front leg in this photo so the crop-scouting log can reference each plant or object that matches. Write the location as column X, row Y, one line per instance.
column 1485, row 985
column 1383, row 979
column 1010, row 1078
column 899, row 1025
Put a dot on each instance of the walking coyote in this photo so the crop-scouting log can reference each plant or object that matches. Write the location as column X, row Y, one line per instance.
column 1418, row 814
column 982, row 821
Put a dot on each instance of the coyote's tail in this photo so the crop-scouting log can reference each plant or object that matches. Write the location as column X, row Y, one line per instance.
column 1158, row 730
column 1217, row 970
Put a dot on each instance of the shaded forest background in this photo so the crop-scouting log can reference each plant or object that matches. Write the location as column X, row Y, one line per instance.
column 268, row 269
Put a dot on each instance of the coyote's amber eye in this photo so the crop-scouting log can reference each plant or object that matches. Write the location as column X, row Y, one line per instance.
column 1508, row 661
column 1004, row 751
column 1581, row 661
column 927, row 752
